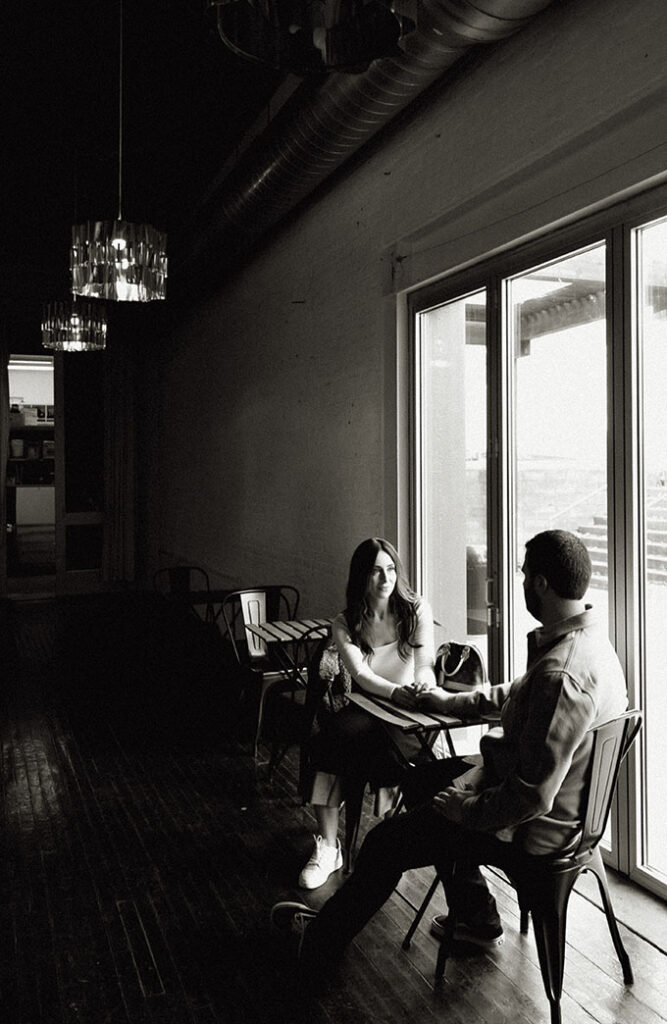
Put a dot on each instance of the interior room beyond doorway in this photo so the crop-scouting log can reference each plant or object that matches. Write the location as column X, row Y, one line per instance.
column 31, row 556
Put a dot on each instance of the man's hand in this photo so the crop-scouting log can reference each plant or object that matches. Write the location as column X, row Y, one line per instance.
column 435, row 699
column 448, row 803
column 404, row 696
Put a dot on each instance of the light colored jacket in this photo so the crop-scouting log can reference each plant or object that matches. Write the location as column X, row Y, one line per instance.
column 534, row 763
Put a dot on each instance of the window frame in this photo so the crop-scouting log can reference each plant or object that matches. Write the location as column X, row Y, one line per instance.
column 613, row 226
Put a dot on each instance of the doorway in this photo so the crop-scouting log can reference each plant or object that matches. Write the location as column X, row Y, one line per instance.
column 31, row 515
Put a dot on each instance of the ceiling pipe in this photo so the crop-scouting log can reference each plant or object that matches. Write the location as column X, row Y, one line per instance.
column 312, row 138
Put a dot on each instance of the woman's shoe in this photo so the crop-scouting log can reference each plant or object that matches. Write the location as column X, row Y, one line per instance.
column 323, row 861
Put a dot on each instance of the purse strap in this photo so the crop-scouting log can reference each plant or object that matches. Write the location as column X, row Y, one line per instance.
column 465, row 654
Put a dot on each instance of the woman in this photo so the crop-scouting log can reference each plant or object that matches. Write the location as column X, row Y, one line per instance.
column 384, row 639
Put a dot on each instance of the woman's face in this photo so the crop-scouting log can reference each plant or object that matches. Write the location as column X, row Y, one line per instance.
column 382, row 578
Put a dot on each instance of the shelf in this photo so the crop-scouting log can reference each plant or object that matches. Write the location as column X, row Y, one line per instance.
column 47, row 484
column 30, row 428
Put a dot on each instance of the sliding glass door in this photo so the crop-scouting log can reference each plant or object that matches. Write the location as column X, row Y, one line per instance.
column 539, row 401
column 558, row 411
column 452, row 484
column 650, row 302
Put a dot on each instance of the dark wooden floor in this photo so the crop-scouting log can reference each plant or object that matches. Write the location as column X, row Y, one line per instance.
column 142, row 849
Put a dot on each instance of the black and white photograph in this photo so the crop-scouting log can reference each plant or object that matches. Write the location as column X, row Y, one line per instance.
column 333, row 511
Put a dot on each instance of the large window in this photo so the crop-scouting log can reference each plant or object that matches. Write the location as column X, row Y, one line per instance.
column 539, row 403
column 453, row 479
column 651, row 307
column 558, row 401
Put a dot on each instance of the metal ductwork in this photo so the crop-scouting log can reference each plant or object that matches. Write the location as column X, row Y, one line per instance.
column 313, row 137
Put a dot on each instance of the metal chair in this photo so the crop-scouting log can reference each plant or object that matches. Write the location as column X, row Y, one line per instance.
column 181, row 583
column 252, row 605
column 544, row 884
column 298, row 704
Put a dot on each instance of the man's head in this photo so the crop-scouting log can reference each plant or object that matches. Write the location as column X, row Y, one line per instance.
column 557, row 571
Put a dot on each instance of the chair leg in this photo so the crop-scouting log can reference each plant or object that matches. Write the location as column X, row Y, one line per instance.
column 598, row 869
column 524, row 913
column 263, row 690
column 445, row 947
column 549, row 918
column 420, row 913
column 278, row 752
column 354, row 800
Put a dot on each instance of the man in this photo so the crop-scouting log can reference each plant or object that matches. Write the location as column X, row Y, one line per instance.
column 526, row 792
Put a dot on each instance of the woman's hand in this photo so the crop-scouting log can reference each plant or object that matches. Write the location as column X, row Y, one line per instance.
column 404, row 696
column 434, row 699
column 423, row 686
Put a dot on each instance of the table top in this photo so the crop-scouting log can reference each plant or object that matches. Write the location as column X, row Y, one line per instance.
column 285, row 632
column 412, row 721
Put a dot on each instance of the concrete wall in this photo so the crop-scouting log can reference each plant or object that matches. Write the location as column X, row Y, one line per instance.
column 279, row 448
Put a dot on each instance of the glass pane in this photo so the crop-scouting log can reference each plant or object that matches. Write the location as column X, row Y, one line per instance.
column 453, row 466
column 558, row 346
column 652, row 310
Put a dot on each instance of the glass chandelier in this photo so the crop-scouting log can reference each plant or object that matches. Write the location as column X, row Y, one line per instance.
column 115, row 259
column 74, row 326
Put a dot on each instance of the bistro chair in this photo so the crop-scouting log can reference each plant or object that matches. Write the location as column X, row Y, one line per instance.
column 296, row 706
column 241, row 608
column 544, row 884
column 181, row 583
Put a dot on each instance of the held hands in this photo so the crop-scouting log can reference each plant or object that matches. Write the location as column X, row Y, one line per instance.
column 409, row 696
column 404, row 696
column 434, row 699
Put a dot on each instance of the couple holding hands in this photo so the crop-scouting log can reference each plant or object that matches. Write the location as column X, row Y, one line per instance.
column 528, row 793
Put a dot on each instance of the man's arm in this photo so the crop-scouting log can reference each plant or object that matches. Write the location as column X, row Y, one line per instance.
column 484, row 701
column 557, row 717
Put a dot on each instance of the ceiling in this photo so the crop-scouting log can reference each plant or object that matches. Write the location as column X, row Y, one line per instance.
column 188, row 102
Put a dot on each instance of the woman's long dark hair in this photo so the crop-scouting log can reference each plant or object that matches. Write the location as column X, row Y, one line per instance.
column 402, row 602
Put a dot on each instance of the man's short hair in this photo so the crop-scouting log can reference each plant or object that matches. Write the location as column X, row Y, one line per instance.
column 563, row 560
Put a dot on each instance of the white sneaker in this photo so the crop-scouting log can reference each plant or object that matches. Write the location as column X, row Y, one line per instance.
column 324, row 859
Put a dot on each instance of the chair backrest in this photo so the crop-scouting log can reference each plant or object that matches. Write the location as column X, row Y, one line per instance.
column 251, row 605
column 611, row 742
column 180, row 580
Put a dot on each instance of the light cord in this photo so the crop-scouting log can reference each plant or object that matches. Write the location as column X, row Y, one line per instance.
column 120, row 110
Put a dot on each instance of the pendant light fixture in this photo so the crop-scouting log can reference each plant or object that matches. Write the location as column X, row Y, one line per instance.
column 115, row 259
column 74, row 326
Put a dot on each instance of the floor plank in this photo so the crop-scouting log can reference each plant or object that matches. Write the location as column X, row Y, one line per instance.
column 142, row 849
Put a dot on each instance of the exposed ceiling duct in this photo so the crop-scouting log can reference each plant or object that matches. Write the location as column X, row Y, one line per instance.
column 312, row 137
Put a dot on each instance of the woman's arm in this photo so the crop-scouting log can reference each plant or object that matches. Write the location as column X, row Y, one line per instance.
column 424, row 654
column 355, row 663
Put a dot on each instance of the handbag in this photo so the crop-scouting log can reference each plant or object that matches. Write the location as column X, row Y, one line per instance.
column 459, row 667
column 338, row 679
